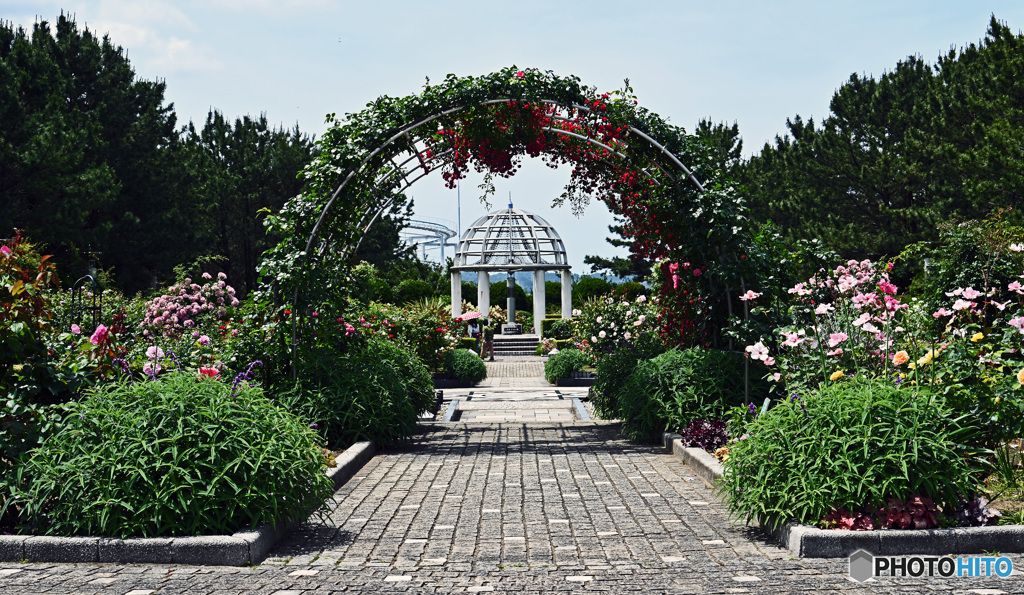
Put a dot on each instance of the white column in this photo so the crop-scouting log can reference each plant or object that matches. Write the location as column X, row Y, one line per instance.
column 483, row 293
column 456, row 294
column 566, row 294
column 539, row 309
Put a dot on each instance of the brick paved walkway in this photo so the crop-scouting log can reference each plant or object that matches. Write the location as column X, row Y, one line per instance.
column 508, row 507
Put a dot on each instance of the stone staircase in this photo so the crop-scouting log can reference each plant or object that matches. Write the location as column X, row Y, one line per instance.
column 508, row 345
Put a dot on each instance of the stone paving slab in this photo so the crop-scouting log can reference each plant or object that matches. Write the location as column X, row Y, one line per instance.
column 525, row 508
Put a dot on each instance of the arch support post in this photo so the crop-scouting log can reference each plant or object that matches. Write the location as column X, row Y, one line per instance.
column 539, row 302
column 566, row 295
column 456, row 294
column 483, row 294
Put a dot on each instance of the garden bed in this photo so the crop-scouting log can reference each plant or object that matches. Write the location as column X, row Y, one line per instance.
column 577, row 379
column 444, row 380
column 805, row 541
column 242, row 548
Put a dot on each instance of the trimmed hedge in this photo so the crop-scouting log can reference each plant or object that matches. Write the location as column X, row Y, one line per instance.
column 464, row 365
column 564, row 363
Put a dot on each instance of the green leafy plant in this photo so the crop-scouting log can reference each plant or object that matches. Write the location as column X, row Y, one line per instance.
column 679, row 386
column 564, row 363
column 372, row 389
column 851, row 445
column 464, row 365
column 181, row 455
column 614, row 369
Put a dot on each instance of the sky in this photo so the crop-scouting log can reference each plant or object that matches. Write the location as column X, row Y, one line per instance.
column 753, row 62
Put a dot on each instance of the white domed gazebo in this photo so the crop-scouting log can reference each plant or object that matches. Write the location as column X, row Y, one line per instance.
column 509, row 241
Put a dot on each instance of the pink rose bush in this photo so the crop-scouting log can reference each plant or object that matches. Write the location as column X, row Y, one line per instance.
column 188, row 306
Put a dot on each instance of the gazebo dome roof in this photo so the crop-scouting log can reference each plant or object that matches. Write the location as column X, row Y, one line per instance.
column 510, row 240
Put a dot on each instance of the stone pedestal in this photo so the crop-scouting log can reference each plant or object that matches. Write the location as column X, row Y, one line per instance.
column 566, row 294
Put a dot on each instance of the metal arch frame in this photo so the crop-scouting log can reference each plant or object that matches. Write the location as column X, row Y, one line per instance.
column 410, row 128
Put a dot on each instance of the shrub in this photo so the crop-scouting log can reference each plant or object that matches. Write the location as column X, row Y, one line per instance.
column 850, row 446
column 681, row 385
column 614, row 369
column 589, row 288
column 372, row 390
column 175, row 456
column 413, row 290
column 564, row 363
column 557, row 328
column 188, row 307
column 464, row 365
column 605, row 323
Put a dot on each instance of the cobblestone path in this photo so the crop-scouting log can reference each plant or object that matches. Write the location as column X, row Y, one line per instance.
column 531, row 508
column 526, row 507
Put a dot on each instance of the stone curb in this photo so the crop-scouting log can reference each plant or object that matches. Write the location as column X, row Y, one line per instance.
column 805, row 541
column 579, row 410
column 240, row 549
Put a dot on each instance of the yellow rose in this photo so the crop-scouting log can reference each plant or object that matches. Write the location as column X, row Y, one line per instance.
column 836, row 375
column 927, row 359
column 977, row 337
column 1020, row 376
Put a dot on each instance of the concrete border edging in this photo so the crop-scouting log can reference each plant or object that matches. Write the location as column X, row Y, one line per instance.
column 805, row 541
column 240, row 549
column 579, row 410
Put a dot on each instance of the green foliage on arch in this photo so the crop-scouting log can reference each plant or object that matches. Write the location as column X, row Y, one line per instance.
column 620, row 153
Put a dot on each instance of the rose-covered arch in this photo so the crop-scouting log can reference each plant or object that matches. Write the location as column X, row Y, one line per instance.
column 676, row 207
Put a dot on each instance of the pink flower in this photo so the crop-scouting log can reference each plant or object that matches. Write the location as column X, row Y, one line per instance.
column 836, row 351
column 1018, row 323
column 76, row 330
column 887, row 287
column 800, row 289
column 792, row 339
column 750, row 295
column 971, row 294
column 696, row 272
column 1015, row 287
column 757, row 351
column 222, row 276
column 520, row 74
column 962, row 305
column 862, row 319
column 151, row 369
column 208, row 372
column 100, row 336
column 673, row 267
column 837, row 338
column 823, row 309
column 204, row 340
column 207, row 276
column 154, row 352
column 769, row 361
column 675, row 281
column 5, row 251
column 942, row 312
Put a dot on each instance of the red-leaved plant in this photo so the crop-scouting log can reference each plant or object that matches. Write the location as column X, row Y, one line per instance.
column 916, row 512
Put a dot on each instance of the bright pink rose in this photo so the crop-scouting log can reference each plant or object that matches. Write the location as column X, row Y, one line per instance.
column 100, row 336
